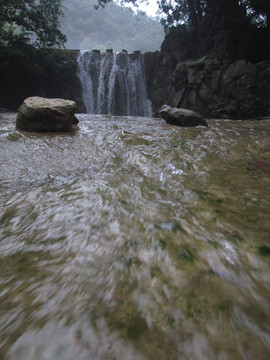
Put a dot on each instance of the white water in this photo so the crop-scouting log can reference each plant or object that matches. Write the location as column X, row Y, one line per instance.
column 113, row 84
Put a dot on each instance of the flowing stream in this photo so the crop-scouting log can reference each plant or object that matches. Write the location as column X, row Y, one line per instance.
column 113, row 83
column 132, row 239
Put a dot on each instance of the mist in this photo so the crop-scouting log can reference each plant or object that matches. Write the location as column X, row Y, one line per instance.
column 115, row 27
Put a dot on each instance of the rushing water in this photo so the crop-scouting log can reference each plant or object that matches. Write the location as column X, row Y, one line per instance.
column 133, row 239
column 113, row 83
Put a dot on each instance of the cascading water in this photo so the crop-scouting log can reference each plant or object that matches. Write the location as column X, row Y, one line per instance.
column 113, row 84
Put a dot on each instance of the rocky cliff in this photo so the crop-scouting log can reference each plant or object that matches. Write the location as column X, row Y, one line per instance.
column 214, row 70
column 212, row 87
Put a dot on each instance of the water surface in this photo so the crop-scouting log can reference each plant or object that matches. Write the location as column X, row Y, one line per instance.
column 133, row 239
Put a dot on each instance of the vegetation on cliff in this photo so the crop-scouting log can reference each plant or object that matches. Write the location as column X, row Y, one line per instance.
column 29, row 71
column 224, row 29
column 193, row 13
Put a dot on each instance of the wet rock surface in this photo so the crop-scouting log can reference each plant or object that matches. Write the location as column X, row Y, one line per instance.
column 209, row 86
column 41, row 114
column 181, row 117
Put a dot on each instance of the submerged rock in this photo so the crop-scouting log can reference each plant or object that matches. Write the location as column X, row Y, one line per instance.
column 41, row 114
column 181, row 117
column 261, row 165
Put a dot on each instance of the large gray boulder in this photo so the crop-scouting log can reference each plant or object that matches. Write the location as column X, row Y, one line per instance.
column 41, row 114
column 181, row 117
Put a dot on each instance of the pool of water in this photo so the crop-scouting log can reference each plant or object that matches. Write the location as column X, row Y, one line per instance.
column 132, row 239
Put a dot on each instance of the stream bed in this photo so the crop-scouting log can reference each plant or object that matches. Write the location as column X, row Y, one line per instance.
column 130, row 239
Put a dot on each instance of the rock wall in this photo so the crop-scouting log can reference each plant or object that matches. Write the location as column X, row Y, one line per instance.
column 209, row 86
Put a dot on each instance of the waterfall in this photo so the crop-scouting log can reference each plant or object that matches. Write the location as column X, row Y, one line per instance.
column 113, row 84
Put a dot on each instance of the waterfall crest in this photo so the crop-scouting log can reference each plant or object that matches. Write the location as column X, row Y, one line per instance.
column 113, row 84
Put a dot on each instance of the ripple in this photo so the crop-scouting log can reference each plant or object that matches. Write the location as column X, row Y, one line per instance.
column 131, row 239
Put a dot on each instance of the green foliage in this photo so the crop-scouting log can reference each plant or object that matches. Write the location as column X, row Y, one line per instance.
column 113, row 27
column 29, row 60
column 225, row 29
column 194, row 12
column 34, row 22
column 189, row 12
column 30, row 71
column 259, row 11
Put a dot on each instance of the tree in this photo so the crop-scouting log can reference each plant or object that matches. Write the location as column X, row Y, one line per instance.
column 33, row 22
column 260, row 10
column 195, row 12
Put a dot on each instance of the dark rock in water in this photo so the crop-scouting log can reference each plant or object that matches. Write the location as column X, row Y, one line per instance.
column 41, row 114
column 261, row 165
column 181, row 117
column 264, row 250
